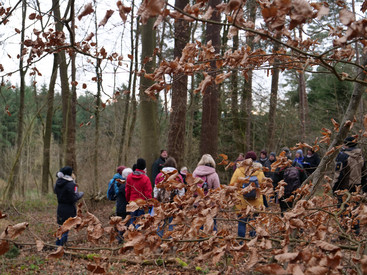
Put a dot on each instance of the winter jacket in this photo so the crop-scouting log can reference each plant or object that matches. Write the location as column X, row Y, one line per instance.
column 157, row 167
column 348, row 170
column 120, row 195
column 266, row 163
column 67, row 195
column 207, row 172
column 311, row 163
column 138, row 186
column 240, row 173
column 159, row 178
column 299, row 161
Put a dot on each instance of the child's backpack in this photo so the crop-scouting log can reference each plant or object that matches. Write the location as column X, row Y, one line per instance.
column 254, row 182
column 291, row 177
column 111, row 192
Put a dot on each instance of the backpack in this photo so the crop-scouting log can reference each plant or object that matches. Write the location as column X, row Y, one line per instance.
column 291, row 177
column 251, row 195
column 111, row 192
column 204, row 184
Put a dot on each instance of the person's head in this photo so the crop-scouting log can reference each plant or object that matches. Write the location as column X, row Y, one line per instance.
column 134, row 167
column 251, row 155
column 207, row 160
column 141, row 164
column 263, row 154
column 241, row 156
column 310, row 152
column 350, row 142
column 67, row 170
column 183, row 170
column 126, row 172
column 120, row 169
column 170, row 162
column 288, row 153
column 299, row 153
column 164, row 153
column 272, row 156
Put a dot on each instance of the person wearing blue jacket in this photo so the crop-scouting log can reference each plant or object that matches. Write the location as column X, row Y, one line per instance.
column 67, row 194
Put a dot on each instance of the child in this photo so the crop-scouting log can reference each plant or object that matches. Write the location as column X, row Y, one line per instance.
column 67, row 196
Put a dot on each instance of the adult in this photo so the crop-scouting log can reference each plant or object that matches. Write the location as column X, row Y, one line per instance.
column 349, row 164
column 311, row 161
column 67, row 194
column 264, row 159
column 257, row 203
column 348, row 171
column 238, row 161
column 287, row 152
column 183, row 173
column 206, row 171
column 272, row 159
column 138, row 186
column 299, row 158
column 162, row 195
column 158, row 164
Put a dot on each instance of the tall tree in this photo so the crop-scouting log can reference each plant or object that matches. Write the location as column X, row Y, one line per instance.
column 13, row 180
column 176, row 133
column 209, row 130
column 48, row 127
column 148, row 107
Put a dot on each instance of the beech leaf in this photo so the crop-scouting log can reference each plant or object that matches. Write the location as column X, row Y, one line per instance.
column 57, row 254
column 88, row 9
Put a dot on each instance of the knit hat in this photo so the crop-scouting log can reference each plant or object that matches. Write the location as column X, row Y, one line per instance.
column 350, row 141
column 300, row 152
column 141, row 164
column 273, row 154
column 67, row 170
column 120, row 169
column 251, row 155
column 126, row 172
column 286, row 149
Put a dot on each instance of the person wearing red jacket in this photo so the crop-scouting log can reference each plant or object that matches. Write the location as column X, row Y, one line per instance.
column 138, row 186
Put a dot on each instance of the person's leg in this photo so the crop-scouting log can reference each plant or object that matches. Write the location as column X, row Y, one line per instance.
column 242, row 226
column 63, row 239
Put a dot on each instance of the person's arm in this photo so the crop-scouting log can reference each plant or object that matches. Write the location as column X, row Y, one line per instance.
column 148, row 189
column 127, row 190
column 216, row 181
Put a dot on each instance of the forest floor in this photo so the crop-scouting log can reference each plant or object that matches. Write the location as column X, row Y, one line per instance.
column 80, row 255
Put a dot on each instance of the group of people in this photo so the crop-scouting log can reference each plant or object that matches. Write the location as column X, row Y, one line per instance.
column 132, row 184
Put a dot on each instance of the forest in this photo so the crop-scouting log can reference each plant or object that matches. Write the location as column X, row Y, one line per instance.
column 95, row 85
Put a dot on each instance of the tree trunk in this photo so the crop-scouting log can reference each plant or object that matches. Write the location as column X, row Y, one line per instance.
column 209, row 129
column 273, row 102
column 48, row 127
column 303, row 105
column 70, row 157
column 234, row 104
column 247, row 89
column 148, row 108
column 176, row 133
column 359, row 89
column 13, row 180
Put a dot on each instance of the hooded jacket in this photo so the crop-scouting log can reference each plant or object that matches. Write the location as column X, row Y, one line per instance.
column 240, row 173
column 207, row 172
column 120, row 195
column 67, row 195
column 348, row 170
column 138, row 186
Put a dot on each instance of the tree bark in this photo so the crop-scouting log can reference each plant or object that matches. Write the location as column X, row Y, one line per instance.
column 13, row 180
column 48, row 127
column 176, row 133
column 273, row 102
column 234, row 104
column 148, row 108
column 209, row 129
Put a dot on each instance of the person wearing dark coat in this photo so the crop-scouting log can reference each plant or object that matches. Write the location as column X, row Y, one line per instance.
column 311, row 161
column 67, row 194
column 158, row 165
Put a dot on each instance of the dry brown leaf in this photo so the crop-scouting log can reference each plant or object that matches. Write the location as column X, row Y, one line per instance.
column 271, row 269
column 57, row 254
column 2, row 216
column 4, row 247
column 13, row 231
column 88, row 9
column 123, row 10
column 96, row 269
column 39, row 244
column 286, row 257
column 150, row 8
column 346, row 17
column 106, row 18
column 327, row 246
column 205, row 83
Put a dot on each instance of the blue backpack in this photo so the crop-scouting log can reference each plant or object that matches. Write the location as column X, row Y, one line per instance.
column 251, row 195
column 111, row 192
